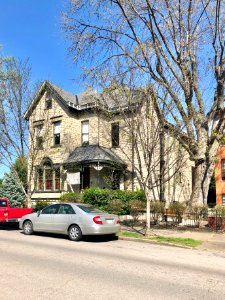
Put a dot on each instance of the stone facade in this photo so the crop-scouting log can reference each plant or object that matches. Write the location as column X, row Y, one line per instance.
column 57, row 123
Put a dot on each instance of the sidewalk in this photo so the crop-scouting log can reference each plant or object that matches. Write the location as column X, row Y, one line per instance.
column 212, row 241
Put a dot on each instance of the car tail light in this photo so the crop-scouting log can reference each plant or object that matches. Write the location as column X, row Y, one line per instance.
column 118, row 221
column 97, row 220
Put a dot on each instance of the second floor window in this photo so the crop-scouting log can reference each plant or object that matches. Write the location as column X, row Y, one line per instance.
column 223, row 169
column 57, row 133
column 39, row 137
column 115, row 134
column 85, row 132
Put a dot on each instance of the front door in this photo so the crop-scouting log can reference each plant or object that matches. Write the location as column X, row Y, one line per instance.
column 86, row 178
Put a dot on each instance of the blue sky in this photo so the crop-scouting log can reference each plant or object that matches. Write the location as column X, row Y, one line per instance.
column 31, row 29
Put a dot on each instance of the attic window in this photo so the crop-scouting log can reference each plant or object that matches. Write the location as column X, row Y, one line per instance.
column 48, row 102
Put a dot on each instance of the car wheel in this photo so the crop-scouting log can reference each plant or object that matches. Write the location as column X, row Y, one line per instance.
column 75, row 233
column 28, row 227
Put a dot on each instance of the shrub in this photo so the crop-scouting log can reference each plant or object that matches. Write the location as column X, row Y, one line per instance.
column 136, row 208
column 116, row 201
column 218, row 210
column 115, row 206
column 157, row 210
column 199, row 210
column 177, row 208
column 39, row 205
column 71, row 197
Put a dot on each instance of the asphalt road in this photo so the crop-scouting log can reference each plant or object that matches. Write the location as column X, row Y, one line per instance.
column 52, row 267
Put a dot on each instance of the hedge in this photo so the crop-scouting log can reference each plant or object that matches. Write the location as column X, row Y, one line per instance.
column 113, row 201
column 73, row 197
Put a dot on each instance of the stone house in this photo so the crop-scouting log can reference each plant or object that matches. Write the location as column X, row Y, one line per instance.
column 80, row 141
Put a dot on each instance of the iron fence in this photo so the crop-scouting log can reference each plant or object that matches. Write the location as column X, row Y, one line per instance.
column 209, row 220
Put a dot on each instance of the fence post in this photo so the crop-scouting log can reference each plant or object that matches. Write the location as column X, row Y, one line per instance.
column 216, row 220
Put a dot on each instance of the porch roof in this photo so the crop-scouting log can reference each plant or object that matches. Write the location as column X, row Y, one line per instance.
column 90, row 154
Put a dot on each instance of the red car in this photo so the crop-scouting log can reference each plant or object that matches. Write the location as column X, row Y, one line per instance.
column 9, row 214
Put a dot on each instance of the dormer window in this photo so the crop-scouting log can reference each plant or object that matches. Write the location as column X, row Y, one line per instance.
column 48, row 102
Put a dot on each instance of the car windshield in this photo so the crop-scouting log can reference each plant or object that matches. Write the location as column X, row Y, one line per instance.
column 89, row 209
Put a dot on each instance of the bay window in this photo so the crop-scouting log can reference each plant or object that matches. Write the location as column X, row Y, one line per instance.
column 48, row 177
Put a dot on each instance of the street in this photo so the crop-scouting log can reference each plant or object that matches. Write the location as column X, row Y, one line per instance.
column 45, row 266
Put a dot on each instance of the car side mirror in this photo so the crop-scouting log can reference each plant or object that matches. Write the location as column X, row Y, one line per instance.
column 38, row 213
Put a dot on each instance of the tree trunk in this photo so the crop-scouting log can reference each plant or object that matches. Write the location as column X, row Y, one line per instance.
column 148, row 213
column 202, row 177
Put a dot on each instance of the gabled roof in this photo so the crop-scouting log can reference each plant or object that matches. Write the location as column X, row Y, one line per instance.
column 111, row 99
column 79, row 102
column 93, row 154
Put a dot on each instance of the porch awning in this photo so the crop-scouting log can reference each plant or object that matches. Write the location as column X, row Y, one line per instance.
column 94, row 154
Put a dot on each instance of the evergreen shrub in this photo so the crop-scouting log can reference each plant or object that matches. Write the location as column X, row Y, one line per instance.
column 115, row 201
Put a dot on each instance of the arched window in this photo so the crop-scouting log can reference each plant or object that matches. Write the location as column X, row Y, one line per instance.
column 48, row 176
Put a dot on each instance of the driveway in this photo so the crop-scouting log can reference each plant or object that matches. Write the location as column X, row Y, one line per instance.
column 52, row 267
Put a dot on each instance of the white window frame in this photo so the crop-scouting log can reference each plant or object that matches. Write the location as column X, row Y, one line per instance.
column 85, row 132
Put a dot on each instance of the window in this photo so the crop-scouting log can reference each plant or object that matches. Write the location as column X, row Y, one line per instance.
column 57, row 178
column 57, row 133
column 52, row 209
column 3, row 203
column 39, row 137
column 89, row 209
column 66, row 209
column 115, row 130
column 48, row 102
column 85, row 132
column 40, row 180
column 48, row 177
column 223, row 169
column 223, row 199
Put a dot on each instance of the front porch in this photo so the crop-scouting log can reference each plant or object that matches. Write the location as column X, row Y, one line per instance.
column 94, row 166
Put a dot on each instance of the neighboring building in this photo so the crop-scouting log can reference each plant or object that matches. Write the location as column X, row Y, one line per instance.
column 220, row 176
column 79, row 141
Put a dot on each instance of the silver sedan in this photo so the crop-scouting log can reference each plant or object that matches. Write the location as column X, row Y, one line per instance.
column 72, row 219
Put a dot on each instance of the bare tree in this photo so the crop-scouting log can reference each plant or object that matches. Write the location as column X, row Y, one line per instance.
column 176, row 48
column 153, row 154
column 14, row 98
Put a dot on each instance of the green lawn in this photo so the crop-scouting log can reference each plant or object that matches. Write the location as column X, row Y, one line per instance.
column 162, row 239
